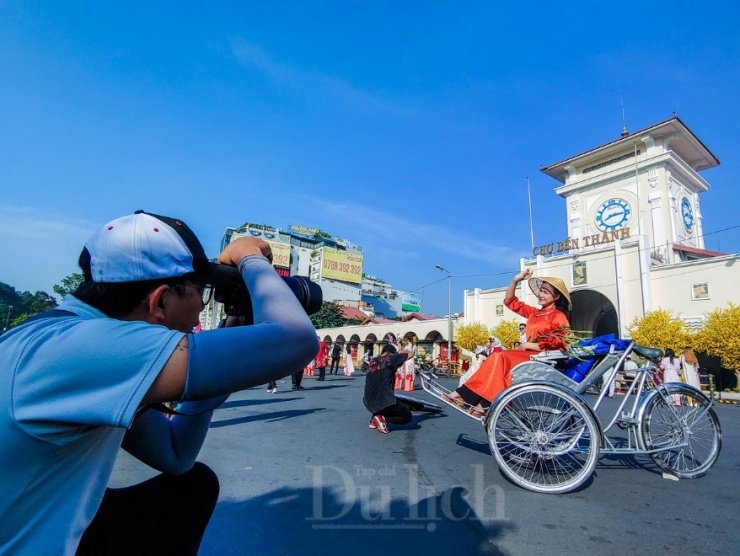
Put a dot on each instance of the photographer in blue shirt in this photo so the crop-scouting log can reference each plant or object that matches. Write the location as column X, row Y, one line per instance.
column 77, row 384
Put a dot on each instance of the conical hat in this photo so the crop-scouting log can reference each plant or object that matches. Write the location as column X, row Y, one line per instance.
column 557, row 283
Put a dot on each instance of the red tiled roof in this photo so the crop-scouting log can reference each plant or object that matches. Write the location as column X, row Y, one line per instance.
column 418, row 316
column 696, row 251
column 376, row 320
column 352, row 313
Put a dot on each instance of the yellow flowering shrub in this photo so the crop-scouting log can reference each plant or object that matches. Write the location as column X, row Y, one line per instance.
column 468, row 336
column 660, row 329
column 508, row 332
column 720, row 336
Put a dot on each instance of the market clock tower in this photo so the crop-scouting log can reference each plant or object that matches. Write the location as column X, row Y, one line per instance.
column 644, row 185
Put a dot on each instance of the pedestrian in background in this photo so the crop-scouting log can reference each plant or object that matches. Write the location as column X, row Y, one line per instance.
column 336, row 352
column 629, row 372
column 321, row 359
column 496, row 345
column 409, row 367
column 690, row 368
column 671, row 367
column 609, row 385
column 296, row 380
column 349, row 366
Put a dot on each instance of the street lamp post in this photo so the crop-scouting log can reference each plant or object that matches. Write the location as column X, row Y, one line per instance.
column 7, row 318
column 449, row 316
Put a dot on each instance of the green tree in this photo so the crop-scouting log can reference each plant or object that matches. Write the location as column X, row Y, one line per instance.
column 16, row 307
column 37, row 302
column 20, row 319
column 329, row 316
column 7, row 312
column 10, row 305
column 68, row 284
column 8, row 296
column 720, row 336
column 660, row 329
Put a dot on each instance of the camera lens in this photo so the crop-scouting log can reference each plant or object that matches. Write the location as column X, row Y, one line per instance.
column 307, row 292
column 233, row 293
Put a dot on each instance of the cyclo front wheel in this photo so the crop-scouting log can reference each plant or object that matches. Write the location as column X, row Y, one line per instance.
column 543, row 438
column 680, row 423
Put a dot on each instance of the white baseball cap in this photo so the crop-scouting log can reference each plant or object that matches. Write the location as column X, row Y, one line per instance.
column 145, row 246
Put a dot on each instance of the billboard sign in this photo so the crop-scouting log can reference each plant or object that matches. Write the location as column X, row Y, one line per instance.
column 280, row 252
column 410, row 303
column 302, row 230
column 341, row 265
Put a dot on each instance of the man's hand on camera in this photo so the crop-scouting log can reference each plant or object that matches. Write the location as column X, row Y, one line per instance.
column 243, row 246
column 235, row 321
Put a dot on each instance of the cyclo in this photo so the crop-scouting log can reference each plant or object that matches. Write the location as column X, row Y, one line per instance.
column 546, row 436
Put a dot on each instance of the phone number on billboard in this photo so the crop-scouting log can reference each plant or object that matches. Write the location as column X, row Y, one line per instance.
column 342, row 267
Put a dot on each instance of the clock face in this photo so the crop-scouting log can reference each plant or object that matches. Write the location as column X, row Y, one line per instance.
column 687, row 214
column 613, row 215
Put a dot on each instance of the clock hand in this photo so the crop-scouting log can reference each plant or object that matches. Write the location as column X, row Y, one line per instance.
column 613, row 215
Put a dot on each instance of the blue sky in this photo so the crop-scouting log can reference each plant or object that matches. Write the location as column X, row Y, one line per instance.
column 407, row 127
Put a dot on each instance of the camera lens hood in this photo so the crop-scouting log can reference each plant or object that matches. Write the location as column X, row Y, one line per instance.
column 232, row 292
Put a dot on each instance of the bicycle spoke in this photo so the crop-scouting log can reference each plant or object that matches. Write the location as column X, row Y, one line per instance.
column 687, row 434
column 542, row 440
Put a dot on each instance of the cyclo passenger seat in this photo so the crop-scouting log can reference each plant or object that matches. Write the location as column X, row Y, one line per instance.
column 654, row 354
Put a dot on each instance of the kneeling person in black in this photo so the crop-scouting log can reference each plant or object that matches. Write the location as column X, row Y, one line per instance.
column 379, row 398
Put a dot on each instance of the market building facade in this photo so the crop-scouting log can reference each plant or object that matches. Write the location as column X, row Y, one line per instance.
column 430, row 335
column 635, row 239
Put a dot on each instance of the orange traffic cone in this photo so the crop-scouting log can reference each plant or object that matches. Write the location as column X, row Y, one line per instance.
column 408, row 382
column 399, row 381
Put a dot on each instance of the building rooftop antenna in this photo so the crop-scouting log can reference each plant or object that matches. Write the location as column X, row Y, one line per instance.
column 625, row 133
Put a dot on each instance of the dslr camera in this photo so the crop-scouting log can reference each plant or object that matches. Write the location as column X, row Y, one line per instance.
column 233, row 293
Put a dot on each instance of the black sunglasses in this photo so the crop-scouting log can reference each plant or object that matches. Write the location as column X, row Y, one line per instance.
column 206, row 291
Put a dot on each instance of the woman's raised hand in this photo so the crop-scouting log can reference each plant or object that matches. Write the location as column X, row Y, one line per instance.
column 523, row 275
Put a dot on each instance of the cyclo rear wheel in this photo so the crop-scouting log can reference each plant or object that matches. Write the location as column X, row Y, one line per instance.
column 681, row 416
column 543, row 438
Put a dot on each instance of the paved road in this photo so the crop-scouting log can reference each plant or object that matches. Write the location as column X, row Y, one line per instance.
column 301, row 473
